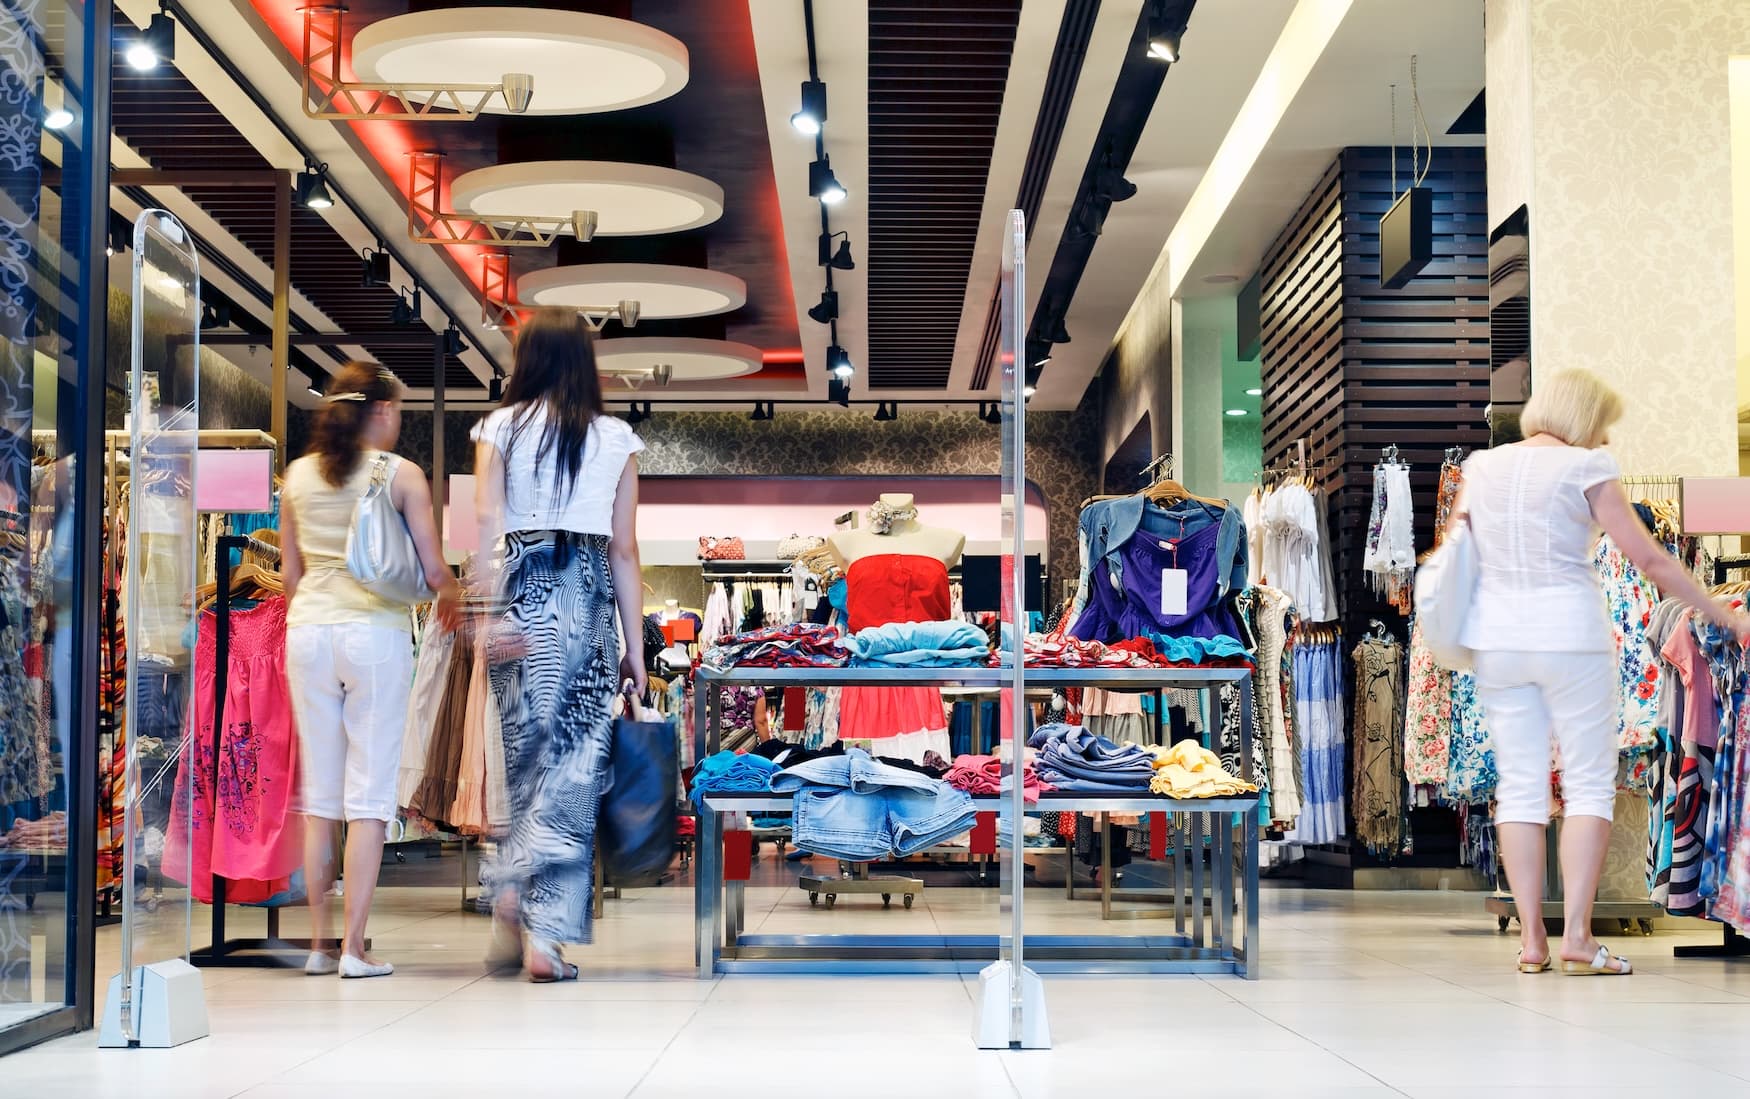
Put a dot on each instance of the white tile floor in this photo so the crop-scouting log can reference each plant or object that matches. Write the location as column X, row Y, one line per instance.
column 1364, row 994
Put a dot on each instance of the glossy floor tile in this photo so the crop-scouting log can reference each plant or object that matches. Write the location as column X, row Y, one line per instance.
column 1362, row 994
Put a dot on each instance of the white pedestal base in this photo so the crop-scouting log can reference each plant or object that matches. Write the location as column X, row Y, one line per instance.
column 169, row 1007
column 990, row 1023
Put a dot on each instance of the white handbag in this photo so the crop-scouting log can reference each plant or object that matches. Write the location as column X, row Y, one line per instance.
column 1446, row 589
column 789, row 549
column 380, row 552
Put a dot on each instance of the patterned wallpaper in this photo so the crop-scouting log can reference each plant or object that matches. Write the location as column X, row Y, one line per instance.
column 1630, row 199
column 1062, row 450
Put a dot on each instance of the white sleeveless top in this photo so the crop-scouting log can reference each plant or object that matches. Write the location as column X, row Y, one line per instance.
column 327, row 594
column 531, row 502
column 1537, row 590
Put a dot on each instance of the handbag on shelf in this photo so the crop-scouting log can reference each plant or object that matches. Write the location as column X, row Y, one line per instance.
column 380, row 552
column 636, row 831
column 722, row 549
column 1446, row 589
column 789, row 549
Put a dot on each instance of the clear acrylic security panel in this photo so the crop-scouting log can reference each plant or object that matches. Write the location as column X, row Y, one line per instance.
column 1015, row 723
column 169, row 775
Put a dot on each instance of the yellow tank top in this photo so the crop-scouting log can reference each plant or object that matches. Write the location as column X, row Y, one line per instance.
column 327, row 594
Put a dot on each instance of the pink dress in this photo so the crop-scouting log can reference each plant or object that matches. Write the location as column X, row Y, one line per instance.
column 247, row 833
column 901, row 722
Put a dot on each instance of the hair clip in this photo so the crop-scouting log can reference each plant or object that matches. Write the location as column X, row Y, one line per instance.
column 336, row 398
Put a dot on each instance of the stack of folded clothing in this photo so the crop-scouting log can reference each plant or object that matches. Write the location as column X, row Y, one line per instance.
column 1059, row 650
column 918, row 645
column 1189, row 770
column 858, row 809
column 729, row 772
column 984, row 775
column 1072, row 758
column 799, row 645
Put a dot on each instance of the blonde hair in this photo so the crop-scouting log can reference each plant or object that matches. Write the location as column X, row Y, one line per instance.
column 1575, row 406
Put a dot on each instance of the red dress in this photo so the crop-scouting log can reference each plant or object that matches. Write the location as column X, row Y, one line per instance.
column 902, row 722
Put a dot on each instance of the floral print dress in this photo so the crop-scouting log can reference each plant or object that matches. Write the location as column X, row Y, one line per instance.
column 1631, row 598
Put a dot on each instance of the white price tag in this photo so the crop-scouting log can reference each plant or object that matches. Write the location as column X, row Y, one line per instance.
column 1175, row 584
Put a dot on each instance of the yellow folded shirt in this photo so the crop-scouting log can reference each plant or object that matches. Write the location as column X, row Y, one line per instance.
column 1189, row 770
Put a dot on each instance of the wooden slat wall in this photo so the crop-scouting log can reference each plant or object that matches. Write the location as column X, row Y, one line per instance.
column 1351, row 367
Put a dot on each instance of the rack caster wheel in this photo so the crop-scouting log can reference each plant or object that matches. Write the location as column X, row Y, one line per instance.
column 909, row 897
column 813, row 900
column 887, row 900
column 1501, row 924
column 831, row 899
column 1646, row 927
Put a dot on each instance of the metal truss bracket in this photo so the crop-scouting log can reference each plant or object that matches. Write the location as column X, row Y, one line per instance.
column 428, row 224
column 498, row 309
column 326, row 95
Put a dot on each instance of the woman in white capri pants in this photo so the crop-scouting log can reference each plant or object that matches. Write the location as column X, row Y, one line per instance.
column 1545, row 654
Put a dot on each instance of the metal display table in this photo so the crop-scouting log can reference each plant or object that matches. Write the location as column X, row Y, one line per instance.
column 1214, row 907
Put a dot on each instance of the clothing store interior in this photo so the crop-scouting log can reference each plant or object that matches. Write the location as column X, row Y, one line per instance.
column 1043, row 412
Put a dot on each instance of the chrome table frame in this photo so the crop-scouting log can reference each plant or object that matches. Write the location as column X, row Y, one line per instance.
column 1215, row 923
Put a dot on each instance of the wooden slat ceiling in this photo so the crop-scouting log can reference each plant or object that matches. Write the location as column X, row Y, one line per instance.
column 167, row 121
column 937, row 71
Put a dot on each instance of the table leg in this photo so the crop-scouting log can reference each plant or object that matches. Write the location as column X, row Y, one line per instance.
column 1105, row 866
column 1176, row 836
column 707, row 892
column 1198, row 894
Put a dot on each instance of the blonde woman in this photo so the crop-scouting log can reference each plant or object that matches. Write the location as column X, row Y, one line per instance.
column 1545, row 653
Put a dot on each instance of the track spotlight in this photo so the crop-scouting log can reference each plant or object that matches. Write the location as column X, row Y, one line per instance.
column 406, row 309
column 812, row 116
column 1038, row 352
column 840, row 260
column 838, row 391
column 121, row 235
column 215, row 314
column 638, row 413
column 1089, row 218
column 828, row 309
column 838, row 360
column 376, row 271
column 152, row 46
column 312, row 186
column 1055, row 332
column 1110, row 184
column 990, row 412
column 1165, row 35
column 583, row 225
column 822, row 184
column 886, row 412
column 1164, row 47
column 628, row 313
column 495, row 387
column 56, row 116
column 763, row 412
column 453, row 342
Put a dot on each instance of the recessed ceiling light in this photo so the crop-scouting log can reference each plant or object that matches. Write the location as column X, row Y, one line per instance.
column 1254, row 392
column 1236, row 412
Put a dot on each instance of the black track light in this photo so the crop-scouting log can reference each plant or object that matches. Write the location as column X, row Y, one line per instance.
column 495, row 387
column 376, row 267
column 1110, row 184
column 638, row 413
column 828, row 309
column 215, row 314
column 406, row 308
column 763, row 412
column 990, row 412
column 1038, row 352
column 1030, row 383
column 838, row 391
column 886, row 412
column 453, row 342
column 1055, row 332
column 149, row 48
column 812, row 116
column 121, row 234
column 312, row 186
column 838, row 361
column 840, row 260
column 822, row 184
column 1089, row 219
column 1165, row 36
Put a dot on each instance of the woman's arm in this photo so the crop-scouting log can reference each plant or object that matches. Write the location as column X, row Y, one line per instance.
column 412, row 496
column 762, row 722
column 489, row 504
column 291, row 560
column 1612, row 511
column 628, row 574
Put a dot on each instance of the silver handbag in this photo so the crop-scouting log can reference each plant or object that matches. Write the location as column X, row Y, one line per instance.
column 1446, row 589
column 380, row 552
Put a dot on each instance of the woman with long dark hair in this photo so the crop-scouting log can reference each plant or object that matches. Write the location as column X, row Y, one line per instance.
column 557, row 494
column 349, row 652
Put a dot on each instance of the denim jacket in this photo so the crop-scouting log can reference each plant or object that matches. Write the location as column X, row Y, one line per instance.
column 1108, row 524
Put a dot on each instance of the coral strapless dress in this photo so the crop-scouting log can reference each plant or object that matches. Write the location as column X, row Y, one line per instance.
column 901, row 722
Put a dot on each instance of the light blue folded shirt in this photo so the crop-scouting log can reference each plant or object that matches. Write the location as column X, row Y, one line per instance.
column 917, row 645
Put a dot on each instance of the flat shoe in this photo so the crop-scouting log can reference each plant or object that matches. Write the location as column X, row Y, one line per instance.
column 351, row 968
column 1599, row 966
column 319, row 964
column 1532, row 967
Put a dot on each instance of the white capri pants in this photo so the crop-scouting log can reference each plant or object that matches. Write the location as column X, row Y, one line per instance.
column 350, row 685
column 1526, row 696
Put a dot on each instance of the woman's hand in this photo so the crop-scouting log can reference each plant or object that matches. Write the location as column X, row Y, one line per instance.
column 448, row 607
column 1738, row 624
column 632, row 668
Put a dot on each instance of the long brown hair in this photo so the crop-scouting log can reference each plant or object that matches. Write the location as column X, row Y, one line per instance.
column 555, row 368
column 337, row 440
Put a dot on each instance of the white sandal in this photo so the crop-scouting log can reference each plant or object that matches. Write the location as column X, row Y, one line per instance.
column 1599, row 966
column 558, row 968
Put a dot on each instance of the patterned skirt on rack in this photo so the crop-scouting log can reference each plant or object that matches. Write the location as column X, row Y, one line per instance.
column 554, row 692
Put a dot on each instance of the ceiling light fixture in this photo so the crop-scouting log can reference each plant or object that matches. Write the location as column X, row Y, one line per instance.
column 1110, row 184
column 886, row 412
column 990, row 412
column 838, row 361
column 840, row 260
column 637, row 413
column 495, row 388
column 763, row 412
column 838, row 391
column 56, row 116
column 1254, row 392
column 1055, row 332
column 154, row 45
column 1236, row 412
column 1165, row 47
column 312, row 186
column 376, row 270
column 453, row 342
column 1166, row 32
column 121, row 234
column 822, row 184
column 828, row 310
column 406, row 309
column 812, row 116
column 1038, row 352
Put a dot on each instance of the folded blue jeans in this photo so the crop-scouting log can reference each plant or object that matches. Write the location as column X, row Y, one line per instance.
column 854, row 808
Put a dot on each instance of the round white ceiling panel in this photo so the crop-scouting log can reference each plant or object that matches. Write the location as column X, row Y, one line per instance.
column 662, row 291
column 628, row 199
column 690, row 360
column 581, row 63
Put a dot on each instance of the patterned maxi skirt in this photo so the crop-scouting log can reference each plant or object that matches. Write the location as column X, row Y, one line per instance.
column 554, row 698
